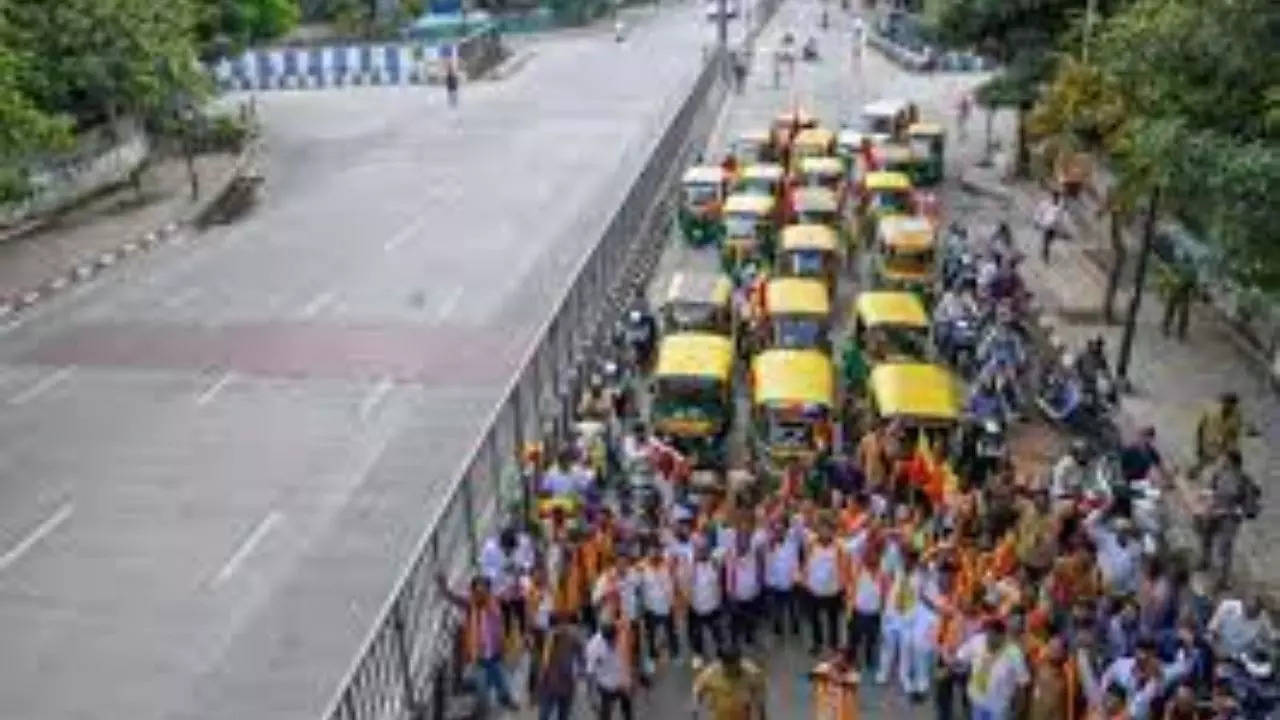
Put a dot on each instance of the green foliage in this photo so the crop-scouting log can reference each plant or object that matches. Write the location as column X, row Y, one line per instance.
column 1182, row 95
column 99, row 59
column 236, row 24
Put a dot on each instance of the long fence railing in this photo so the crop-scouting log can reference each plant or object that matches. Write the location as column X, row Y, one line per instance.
column 401, row 670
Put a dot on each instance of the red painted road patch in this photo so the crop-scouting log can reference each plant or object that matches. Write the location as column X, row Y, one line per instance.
column 435, row 355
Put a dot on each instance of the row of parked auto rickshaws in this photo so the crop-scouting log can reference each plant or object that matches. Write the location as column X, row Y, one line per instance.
column 799, row 173
column 806, row 239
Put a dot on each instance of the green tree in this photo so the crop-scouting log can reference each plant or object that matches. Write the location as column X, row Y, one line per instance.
column 236, row 24
column 100, row 59
column 26, row 130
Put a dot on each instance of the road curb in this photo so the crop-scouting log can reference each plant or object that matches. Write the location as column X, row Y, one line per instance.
column 170, row 232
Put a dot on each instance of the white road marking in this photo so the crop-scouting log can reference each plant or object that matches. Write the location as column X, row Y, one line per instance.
column 450, row 302
column 212, row 391
column 246, row 548
column 49, row 525
column 375, row 396
column 174, row 302
column 43, row 385
column 318, row 303
column 404, row 234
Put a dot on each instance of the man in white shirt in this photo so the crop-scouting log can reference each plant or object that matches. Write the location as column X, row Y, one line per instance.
column 503, row 560
column 743, row 573
column 658, row 594
column 997, row 670
column 1237, row 627
column 609, row 672
column 866, row 589
column 562, row 479
column 901, row 603
column 1048, row 218
column 781, row 561
column 821, row 575
column 705, row 591
column 1142, row 675
column 1118, row 551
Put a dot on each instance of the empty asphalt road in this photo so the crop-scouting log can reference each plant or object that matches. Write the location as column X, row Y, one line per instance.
column 215, row 460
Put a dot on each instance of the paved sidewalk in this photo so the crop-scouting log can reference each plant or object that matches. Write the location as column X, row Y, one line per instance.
column 103, row 224
column 1174, row 380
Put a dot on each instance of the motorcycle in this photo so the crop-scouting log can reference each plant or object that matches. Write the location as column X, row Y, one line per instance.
column 962, row 345
column 1252, row 679
column 810, row 51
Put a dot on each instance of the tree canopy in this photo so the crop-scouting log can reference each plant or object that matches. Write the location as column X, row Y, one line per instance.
column 1182, row 95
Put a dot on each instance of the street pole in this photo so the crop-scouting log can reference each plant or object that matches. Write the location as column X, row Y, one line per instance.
column 722, row 24
column 1088, row 30
column 1135, row 301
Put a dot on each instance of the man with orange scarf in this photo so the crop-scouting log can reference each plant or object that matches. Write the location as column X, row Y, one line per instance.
column 482, row 634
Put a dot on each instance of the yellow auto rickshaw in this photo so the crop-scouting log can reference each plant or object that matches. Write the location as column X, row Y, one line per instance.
column 891, row 326
column 897, row 158
column 702, row 193
column 797, row 315
column 810, row 250
column 698, row 302
column 812, row 142
column 750, row 229
column 824, row 171
column 887, row 120
column 752, row 146
column 785, row 127
column 882, row 194
column 906, row 255
column 916, row 395
column 792, row 396
column 760, row 179
column 928, row 143
column 692, row 394
column 820, row 206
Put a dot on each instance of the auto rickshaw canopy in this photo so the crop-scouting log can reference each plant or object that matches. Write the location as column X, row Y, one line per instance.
column 814, row 199
column 925, row 129
column 803, row 377
column 885, row 180
column 810, row 236
column 797, row 296
column 772, row 172
column 895, row 155
column 891, row 308
column 749, row 204
column 699, row 287
column 920, row 391
column 907, row 233
column 824, row 165
column 695, row 355
column 700, row 174
column 816, row 139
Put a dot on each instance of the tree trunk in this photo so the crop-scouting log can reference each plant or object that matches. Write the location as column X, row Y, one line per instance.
column 1022, row 154
column 1119, row 254
column 1140, row 280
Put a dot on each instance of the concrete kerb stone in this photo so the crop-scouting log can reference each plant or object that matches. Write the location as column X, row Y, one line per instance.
column 106, row 259
column 58, row 283
column 28, row 298
column 83, row 272
column 6, row 308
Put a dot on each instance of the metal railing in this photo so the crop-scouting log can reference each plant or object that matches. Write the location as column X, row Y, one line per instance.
column 399, row 670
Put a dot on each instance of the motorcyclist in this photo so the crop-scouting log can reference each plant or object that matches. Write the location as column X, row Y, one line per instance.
column 956, row 304
column 641, row 331
column 1062, row 391
column 986, row 401
column 1002, row 345
column 1067, row 478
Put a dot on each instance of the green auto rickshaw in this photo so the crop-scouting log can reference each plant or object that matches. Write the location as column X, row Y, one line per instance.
column 702, row 193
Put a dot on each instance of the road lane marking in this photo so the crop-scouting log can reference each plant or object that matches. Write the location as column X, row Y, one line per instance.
column 375, row 396
column 318, row 303
column 212, row 391
column 174, row 302
column 450, row 302
column 246, row 548
column 43, row 385
column 49, row 525
column 404, row 234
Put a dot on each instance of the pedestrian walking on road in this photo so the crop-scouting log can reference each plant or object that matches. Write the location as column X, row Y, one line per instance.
column 739, row 73
column 1048, row 217
column 1232, row 498
column 963, row 110
column 451, row 85
column 560, row 657
column 1179, row 294
column 732, row 688
column 482, row 636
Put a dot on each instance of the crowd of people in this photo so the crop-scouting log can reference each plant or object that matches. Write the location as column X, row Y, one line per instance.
column 1008, row 600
